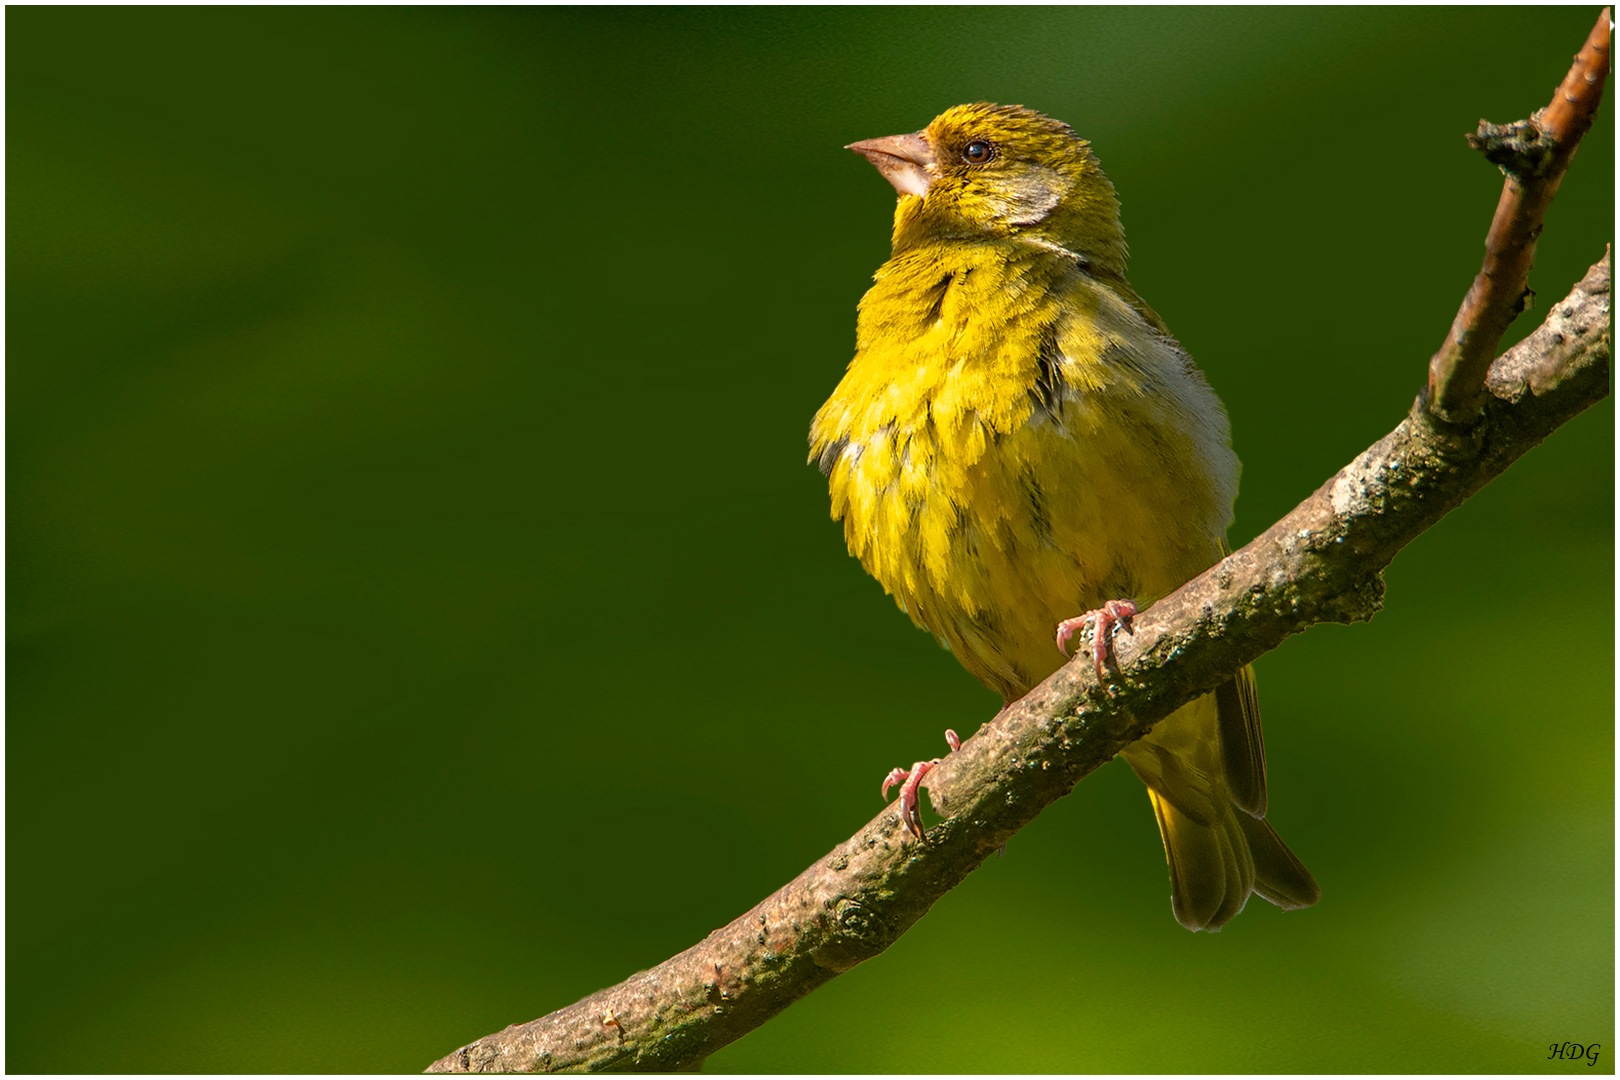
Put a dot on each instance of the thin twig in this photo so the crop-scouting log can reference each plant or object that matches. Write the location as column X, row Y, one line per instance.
column 1533, row 154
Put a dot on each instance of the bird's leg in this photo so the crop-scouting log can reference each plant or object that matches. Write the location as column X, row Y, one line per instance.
column 1114, row 611
column 909, row 781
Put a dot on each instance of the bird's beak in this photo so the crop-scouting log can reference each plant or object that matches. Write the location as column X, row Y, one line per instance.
column 906, row 161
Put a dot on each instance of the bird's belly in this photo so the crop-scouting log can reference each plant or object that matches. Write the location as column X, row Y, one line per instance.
column 1050, row 520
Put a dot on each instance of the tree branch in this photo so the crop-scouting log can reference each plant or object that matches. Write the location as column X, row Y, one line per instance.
column 1321, row 563
column 1533, row 154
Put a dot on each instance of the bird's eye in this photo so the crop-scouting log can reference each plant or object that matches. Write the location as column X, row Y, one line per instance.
column 978, row 152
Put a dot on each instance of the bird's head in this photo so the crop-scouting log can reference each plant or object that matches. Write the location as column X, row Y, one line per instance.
column 983, row 171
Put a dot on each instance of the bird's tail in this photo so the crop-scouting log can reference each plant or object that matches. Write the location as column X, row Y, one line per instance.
column 1216, row 864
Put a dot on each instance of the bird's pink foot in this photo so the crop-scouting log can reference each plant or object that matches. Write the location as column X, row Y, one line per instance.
column 1114, row 611
column 910, row 780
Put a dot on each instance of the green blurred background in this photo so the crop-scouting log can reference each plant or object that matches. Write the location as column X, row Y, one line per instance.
column 421, row 614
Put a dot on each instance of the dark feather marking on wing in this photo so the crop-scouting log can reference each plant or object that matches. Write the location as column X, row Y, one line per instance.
column 936, row 304
column 829, row 455
column 1040, row 514
column 1047, row 393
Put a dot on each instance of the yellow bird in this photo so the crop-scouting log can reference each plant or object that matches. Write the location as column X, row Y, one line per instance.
column 1019, row 439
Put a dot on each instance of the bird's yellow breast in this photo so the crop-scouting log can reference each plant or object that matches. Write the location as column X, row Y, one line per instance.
column 1013, row 444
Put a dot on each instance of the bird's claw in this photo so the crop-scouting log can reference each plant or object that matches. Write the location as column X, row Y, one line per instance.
column 910, row 780
column 910, row 811
column 1114, row 611
column 896, row 776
